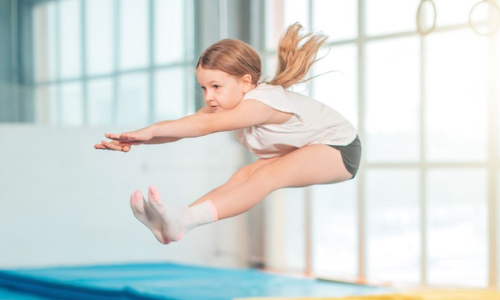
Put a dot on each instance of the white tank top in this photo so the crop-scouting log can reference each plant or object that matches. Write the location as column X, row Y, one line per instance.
column 312, row 122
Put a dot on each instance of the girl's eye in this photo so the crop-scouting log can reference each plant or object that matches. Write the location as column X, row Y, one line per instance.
column 203, row 88
column 216, row 86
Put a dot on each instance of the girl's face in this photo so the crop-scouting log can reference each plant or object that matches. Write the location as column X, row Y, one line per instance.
column 221, row 91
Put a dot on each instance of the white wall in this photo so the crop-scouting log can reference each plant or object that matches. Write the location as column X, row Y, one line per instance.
column 64, row 203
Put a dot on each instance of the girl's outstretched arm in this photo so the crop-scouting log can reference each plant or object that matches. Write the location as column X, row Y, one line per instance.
column 118, row 145
column 245, row 114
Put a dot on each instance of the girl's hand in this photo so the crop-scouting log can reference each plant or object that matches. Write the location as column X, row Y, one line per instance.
column 123, row 142
column 133, row 138
column 113, row 145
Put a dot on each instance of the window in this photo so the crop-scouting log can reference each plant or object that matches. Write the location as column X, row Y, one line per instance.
column 110, row 62
column 424, row 206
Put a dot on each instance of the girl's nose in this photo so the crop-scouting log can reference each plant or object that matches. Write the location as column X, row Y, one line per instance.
column 209, row 96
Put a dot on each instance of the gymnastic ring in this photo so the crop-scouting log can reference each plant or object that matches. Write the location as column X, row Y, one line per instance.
column 493, row 4
column 420, row 30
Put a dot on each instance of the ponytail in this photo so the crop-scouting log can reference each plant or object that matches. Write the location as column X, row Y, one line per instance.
column 294, row 57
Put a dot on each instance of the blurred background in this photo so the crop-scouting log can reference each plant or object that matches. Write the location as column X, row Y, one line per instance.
column 419, row 80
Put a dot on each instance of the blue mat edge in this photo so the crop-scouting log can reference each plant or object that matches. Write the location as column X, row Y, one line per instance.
column 33, row 285
column 39, row 287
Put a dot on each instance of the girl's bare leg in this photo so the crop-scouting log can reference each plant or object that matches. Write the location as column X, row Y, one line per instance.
column 314, row 164
column 238, row 178
column 151, row 214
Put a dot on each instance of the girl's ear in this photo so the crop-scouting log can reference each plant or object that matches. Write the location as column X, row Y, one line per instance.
column 247, row 82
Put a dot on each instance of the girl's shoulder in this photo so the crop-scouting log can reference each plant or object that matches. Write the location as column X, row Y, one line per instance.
column 273, row 96
column 267, row 92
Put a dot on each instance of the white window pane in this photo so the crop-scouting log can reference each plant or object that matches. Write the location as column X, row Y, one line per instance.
column 457, row 227
column 99, row 34
column 70, row 38
column 44, row 35
column 294, row 257
column 337, row 19
column 71, row 104
column 393, row 225
column 100, row 101
column 339, row 88
column 390, row 16
column 270, row 67
column 451, row 12
column 169, row 43
column 134, row 38
column 170, row 96
column 285, row 210
column 296, row 11
column 456, row 97
column 392, row 100
column 335, row 230
column 274, row 23
column 46, row 104
column 282, row 13
column 133, row 100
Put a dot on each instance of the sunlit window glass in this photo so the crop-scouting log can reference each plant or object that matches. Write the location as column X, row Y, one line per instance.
column 392, row 100
column 451, row 12
column 338, row 19
column 44, row 42
column 70, row 38
column 100, row 36
column 282, row 13
column 335, row 230
column 170, row 97
column 134, row 38
column 296, row 11
column 295, row 223
column 456, row 97
column 71, row 103
column 133, row 100
column 393, row 225
column 100, row 102
column 390, row 16
column 457, row 227
column 46, row 104
column 169, row 44
column 336, row 81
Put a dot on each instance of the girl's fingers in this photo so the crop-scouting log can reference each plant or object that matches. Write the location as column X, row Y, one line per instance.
column 113, row 136
column 111, row 146
column 118, row 143
column 127, row 137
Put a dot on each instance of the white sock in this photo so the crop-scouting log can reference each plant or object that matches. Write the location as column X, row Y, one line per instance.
column 145, row 213
column 178, row 221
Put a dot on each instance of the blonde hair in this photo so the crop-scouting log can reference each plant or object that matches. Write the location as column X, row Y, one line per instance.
column 234, row 57
column 296, row 55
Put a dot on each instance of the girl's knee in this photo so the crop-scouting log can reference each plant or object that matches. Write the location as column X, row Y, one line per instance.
column 247, row 171
column 266, row 177
column 242, row 174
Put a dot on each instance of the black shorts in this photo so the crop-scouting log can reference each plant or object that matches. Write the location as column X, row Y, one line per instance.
column 351, row 155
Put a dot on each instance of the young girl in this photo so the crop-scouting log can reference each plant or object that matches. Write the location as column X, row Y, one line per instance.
column 299, row 141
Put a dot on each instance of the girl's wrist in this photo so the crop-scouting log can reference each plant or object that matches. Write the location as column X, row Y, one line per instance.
column 153, row 130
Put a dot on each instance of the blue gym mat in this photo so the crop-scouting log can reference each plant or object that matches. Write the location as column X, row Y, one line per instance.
column 163, row 281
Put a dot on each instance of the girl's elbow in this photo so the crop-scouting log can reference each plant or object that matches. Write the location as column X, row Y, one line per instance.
column 205, row 129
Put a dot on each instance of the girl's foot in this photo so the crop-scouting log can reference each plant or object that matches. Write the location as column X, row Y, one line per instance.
column 144, row 212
